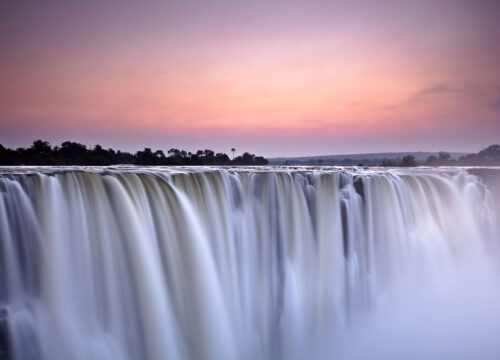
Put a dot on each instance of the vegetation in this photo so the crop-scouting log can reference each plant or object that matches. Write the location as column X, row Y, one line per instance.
column 72, row 153
column 406, row 161
column 489, row 156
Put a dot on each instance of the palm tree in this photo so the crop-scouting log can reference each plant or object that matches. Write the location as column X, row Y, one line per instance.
column 233, row 150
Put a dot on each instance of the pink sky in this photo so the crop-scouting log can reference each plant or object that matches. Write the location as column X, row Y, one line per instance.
column 273, row 78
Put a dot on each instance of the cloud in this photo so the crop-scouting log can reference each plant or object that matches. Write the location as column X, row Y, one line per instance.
column 437, row 89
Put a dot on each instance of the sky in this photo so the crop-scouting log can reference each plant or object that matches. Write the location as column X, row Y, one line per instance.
column 275, row 78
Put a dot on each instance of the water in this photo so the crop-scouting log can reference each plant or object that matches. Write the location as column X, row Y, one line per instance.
column 236, row 264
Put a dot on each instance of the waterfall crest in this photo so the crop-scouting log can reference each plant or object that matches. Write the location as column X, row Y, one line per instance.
column 230, row 264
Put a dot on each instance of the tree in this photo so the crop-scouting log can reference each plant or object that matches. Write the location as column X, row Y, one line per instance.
column 432, row 160
column 145, row 157
column 249, row 159
column 444, row 157
column 491, row 154
column 208, row 153
column 388, row 163
column 159, row 154
column 100, row 156
column 222, row 159
column 73, row 153
column 174, row 152
column 259, row 160
column 41, row 147
column 408, row 161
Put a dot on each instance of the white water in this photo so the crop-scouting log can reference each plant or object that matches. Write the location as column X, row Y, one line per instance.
column 250, row 264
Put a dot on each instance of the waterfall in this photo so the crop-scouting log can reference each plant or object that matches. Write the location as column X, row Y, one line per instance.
column 236, row 264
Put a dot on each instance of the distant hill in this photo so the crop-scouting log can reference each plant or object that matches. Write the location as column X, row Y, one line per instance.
column 372, row 159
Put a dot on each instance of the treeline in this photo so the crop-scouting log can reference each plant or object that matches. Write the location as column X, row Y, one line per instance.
column 406, row 161
column 333, row 162
column 489, row 156
column 72, row 153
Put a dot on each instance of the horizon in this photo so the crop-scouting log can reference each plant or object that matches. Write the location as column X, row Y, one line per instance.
column 239, row 152
column 281, row 79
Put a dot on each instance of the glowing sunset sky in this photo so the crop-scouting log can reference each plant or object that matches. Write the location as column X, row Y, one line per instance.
column 271, row 77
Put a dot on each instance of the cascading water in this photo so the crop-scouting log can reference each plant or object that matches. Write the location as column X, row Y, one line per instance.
column 236, row 264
